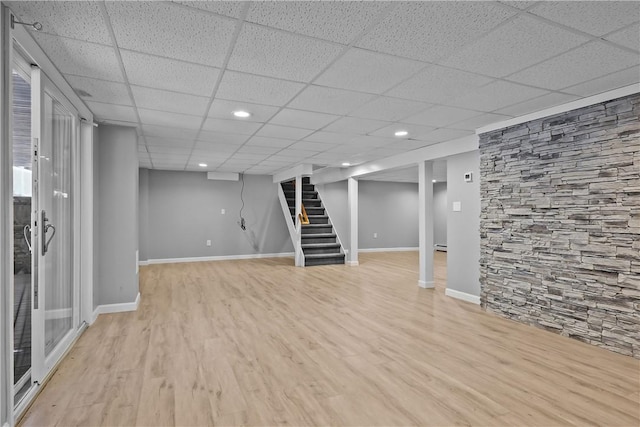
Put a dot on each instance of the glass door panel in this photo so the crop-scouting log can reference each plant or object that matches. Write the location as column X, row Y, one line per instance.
column 22, row 208
column 56, row 217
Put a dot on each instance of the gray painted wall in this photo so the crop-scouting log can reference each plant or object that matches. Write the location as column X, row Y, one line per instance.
column 96, row 217
column 440, row 213
column 387, row 208
column 185, row 212
column 143, row 211
column 117, row 198
column 463, row 228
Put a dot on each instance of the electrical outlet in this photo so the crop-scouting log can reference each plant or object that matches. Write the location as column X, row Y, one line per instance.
column 223, row 211
column 375, row 235
column 208, row 242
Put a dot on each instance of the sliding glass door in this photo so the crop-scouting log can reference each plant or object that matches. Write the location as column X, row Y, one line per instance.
column 55, row 130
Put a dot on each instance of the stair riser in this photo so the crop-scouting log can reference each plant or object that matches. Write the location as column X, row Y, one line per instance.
column 309, row 239
column 324, row 261
column 306, row 195
column 310, row 211
column 314, row 230
column 308, row 203
column 311, row 251
column 316, row 220
column 305, row 187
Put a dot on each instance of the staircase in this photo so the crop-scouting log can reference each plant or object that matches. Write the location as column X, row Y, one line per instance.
column 319, row 241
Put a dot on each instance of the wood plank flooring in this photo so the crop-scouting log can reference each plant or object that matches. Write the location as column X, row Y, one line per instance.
column 260, row 342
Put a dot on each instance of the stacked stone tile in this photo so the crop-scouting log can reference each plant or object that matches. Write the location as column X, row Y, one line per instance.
column 560, row 223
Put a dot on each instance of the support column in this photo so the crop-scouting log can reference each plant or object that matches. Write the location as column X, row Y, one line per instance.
column 298, row 248
column 425, row 226
column 352, row 186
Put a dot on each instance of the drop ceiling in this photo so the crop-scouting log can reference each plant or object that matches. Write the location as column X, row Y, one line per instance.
column 327, row 82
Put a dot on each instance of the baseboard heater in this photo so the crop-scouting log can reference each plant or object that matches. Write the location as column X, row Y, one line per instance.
column 441, row 248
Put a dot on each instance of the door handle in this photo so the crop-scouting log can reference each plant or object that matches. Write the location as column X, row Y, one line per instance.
column 45, row 228
column 26, row 231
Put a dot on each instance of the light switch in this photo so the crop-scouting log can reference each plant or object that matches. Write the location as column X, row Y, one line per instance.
column 223, row 211
column 457, row 206
column 208, row 242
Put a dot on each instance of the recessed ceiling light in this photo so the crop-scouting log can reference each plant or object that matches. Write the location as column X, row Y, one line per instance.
column 433, row 180
column 346, row 164
column 242, row 114
column 202, row 165
column 401, row 133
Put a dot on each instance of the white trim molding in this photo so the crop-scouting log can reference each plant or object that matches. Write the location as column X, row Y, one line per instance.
column 426, row 284
column 142, row 263
column 218, row 258
column 352, row 263
column 563, row 108
column 474, row 299
column 116, row 308
column 411, row 249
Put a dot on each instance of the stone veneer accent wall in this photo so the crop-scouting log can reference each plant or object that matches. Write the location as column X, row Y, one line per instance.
column 560, row 223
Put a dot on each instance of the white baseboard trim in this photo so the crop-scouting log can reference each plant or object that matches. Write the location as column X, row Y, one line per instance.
column 141, row 263
column 218, row 258
column 116, row 308
column 387, row 250
column 426, row 285
column 352, row 263
column 474, row 299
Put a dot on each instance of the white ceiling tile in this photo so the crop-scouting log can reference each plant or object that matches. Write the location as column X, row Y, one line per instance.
column 389, row 109
column 355, row 125
column 367, row 71
column 175, row 32
column 157, row 99
column 440, row 116
column 437, row 85
column 444, row 134
column 247, row 157
column 169, row 74
column 283, row 132
column 536, row 104
column 256, row 89
column 168, row 142
column 81, row 58
column 516, row 45
column 223, row 109
column 431, row 30
column 231, row 126
column 163, row 118
column 257, row 149
column 232, row 9
column 169, row 149
column 330, row 137
column 214, row 148
column 272, row 53
column 269, row 142
column 479, row 121
column 329, row 100
column 311, row 146
column 496, row 95
column 76, row 20
column 593, row 17
column 587, row 62
column 342, row 151
column 415, row 131
column 169, row 132
column 222, row 137
column 368, row 141
column 302, row 119
column 336, row 21
column 520, row 4
column 609, row 82
column 112, row 112
column 100, row 90
column 627, row 37
column 169, row 158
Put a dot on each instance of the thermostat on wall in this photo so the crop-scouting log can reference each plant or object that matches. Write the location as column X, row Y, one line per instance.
column 468, row 176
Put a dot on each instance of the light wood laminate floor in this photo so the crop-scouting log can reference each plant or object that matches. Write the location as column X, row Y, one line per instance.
column 260, row 342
